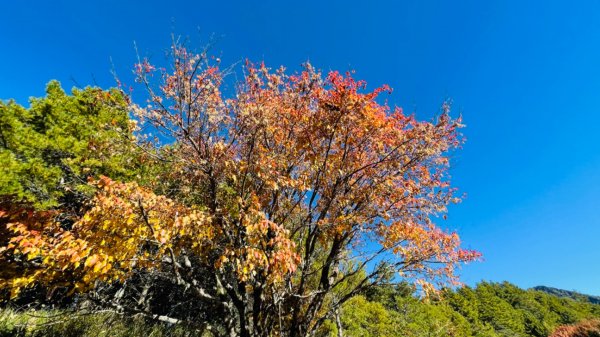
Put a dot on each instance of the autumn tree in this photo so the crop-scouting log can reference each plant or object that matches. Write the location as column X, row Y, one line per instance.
column 588, row 328
column 284, row 201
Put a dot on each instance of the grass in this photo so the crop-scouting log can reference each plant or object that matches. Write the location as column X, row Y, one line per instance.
column 63, row 324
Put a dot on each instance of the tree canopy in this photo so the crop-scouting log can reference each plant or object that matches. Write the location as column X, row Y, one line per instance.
column 489, row 309
column 50, row 149
column 273, row 207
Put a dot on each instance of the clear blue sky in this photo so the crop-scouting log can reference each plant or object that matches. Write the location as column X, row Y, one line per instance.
column 526, row 78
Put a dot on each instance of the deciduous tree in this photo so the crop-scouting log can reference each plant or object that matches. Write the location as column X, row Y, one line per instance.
column 291, row 197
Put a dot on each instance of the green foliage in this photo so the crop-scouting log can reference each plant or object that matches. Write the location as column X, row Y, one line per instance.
column 488, row 310
column 365, row 318
column 48, row 151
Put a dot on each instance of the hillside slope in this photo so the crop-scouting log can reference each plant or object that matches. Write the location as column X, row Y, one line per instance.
column 569, row 294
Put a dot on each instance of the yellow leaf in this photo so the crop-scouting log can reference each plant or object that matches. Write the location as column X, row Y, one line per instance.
column 91, row 260
column 14, row 292
column 98, row 266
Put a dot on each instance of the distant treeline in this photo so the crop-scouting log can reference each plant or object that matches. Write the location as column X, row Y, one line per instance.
column 489, row 309
column 569, row 293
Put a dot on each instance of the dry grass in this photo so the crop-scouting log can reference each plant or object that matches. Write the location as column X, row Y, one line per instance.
column 67, row 324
